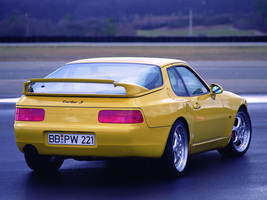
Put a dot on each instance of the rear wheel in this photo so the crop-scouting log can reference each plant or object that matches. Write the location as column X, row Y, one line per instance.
column 241, row 135
column 175, row 155
column 41, row 163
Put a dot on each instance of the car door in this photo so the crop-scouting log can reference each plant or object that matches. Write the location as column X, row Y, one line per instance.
column 208, row 111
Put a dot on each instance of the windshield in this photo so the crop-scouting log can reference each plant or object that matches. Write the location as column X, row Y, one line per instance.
column 148, row 76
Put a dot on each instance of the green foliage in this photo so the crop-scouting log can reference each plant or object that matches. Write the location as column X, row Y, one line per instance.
column 261, row 8
column 92, row 18
column 68, row 17
column 259, row 18
column 13, row 26
column 110, row 29
column 222, row 30
column 12, row 19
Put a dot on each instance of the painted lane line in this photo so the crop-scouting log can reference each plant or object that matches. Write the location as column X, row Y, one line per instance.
column 9, row 100
column 255, row 98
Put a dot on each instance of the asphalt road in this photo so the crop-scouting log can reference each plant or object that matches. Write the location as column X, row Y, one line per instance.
column 243, row 77
column 208, row 175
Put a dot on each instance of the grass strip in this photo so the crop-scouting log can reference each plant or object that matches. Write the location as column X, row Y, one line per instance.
column 35, row 53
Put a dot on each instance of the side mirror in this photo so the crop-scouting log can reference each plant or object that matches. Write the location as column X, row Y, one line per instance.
column 216, row 89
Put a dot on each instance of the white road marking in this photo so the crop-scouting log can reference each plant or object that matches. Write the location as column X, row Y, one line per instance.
column 255, row 98
column 9, row 100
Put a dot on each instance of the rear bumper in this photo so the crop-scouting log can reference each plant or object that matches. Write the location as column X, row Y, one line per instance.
column 111, row 140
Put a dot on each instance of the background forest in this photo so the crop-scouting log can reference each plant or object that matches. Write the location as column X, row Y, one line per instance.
column 132, row 17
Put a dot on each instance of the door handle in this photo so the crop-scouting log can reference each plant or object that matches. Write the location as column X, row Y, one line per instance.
column 197, row 106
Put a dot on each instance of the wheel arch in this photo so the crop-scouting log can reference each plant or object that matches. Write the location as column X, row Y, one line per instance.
column 243, row 107
column 182, row 119
column 186, row 126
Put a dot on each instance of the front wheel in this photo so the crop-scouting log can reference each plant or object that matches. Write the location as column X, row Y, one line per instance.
column 241, row 135
column 175, row 155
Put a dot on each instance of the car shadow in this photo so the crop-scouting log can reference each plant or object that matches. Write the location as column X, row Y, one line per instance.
column 129, row 177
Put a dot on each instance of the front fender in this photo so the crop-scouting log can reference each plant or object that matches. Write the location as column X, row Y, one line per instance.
column 231, row 103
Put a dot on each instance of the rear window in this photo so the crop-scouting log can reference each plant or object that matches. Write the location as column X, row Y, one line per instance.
column 148, row 76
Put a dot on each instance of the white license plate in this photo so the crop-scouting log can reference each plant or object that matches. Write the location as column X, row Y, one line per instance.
column 71, row 139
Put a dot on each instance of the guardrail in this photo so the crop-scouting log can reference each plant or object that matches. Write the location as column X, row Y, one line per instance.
column 35, row 39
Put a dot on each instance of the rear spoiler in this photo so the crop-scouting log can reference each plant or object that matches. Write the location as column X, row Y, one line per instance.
column 132, row 90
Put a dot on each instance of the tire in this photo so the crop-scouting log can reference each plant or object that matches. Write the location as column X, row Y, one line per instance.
column 175, row 156
column 241, row 135
column 41, row 163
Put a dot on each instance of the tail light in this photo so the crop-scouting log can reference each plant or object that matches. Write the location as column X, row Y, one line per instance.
column 120, row 116
column 29, row 114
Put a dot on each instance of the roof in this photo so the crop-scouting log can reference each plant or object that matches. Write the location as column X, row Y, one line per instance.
column 139, row 60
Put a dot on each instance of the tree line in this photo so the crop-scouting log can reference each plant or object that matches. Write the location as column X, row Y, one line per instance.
column 116, row 17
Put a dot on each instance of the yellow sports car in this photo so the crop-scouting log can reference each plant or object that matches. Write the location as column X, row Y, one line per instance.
column 128, row 107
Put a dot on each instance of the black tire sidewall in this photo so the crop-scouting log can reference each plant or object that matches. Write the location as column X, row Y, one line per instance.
column 168, row 157
column 41, row 163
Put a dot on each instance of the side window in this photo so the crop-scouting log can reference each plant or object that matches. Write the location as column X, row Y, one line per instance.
column 176, row 82
column 192, row 82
